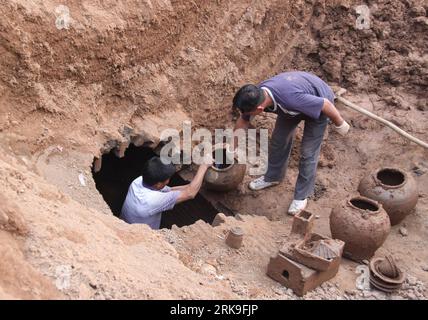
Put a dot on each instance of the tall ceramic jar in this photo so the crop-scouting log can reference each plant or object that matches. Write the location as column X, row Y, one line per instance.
column 362, row 224
column 395, row 189
column 223, row 176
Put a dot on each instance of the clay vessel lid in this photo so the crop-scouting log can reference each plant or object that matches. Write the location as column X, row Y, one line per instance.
column 237, row 231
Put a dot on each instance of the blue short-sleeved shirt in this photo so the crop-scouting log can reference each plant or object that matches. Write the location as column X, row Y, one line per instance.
column 145, row 205
column 297, row 92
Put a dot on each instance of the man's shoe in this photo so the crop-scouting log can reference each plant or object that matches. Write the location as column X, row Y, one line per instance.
column 260, row 184
column 296, row 206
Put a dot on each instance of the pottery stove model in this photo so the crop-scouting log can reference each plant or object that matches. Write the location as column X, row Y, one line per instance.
column 309, row 260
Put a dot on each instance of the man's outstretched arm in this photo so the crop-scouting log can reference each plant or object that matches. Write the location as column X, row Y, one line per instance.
column 190, row 190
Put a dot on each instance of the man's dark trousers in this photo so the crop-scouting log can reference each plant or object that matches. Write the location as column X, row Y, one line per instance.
column 280, row 150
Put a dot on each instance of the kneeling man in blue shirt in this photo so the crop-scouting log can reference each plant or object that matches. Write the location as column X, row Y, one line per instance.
column 148, row 195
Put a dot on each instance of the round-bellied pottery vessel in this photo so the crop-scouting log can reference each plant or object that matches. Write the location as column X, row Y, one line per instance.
column 224, row 176
column 394, row 188
column 362, row 224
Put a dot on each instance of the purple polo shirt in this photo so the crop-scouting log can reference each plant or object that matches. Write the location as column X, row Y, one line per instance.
column 298, row 92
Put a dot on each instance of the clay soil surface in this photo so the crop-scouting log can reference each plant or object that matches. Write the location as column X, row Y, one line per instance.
column 88, row 77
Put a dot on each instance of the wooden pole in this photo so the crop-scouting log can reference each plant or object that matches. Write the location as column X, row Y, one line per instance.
column 403, row 133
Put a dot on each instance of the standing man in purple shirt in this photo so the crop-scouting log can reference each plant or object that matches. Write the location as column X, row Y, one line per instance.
column 293, row 96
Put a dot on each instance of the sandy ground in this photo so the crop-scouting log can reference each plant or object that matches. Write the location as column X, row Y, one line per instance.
column 121, row 71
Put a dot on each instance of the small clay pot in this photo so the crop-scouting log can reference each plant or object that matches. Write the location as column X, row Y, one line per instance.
column 362, row 224
column 395, row 189
column 234, row 237
column 225, row 177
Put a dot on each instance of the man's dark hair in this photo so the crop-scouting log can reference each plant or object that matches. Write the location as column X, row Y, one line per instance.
column 248, row 98
column 155, row 171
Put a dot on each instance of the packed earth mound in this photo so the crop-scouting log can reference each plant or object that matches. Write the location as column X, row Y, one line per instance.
column 81, row 79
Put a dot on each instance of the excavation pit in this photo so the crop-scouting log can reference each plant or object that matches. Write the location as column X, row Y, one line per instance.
column 116, row 174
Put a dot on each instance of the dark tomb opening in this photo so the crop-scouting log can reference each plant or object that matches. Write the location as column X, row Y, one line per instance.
column 116, row 175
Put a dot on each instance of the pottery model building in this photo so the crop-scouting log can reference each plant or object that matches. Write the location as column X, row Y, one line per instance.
column 308, row 260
